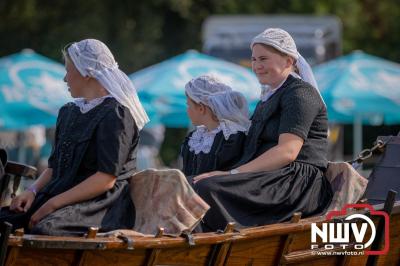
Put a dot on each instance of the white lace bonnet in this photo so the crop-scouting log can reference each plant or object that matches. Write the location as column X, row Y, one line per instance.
column 93, row 58
column 230, row 107
column 282, row 41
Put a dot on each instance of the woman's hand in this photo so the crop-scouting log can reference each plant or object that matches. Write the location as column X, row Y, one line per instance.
column 209, row 174
column 47, row 208
column 91, row 187
column 22, row 202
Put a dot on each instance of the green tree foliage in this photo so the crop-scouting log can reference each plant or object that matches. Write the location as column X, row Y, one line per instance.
column 143, row 32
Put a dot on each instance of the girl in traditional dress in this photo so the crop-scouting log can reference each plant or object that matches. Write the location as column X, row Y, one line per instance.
column 94, row 153
column 281, row 170
column 221, row 119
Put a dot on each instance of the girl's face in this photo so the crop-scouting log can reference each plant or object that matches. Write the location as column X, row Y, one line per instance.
column 194, row 111
column 75, row 81
column 270, row 66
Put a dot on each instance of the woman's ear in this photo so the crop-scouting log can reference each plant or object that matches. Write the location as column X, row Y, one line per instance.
column 289, row 61
column 202, row 108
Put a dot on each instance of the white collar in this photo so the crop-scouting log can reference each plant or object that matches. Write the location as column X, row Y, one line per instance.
column 202, row 139
column 86, row 106
column 267, row 91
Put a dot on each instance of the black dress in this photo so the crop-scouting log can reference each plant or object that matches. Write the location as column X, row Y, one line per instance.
column 103, row 139
column 222, row 156
column 253, row 199
column 3, row 161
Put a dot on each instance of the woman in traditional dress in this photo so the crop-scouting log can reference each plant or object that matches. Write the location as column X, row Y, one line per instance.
column 86, row 182
column 281, row 170
column 221, row 117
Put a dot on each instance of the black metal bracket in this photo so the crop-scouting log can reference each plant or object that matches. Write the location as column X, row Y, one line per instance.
column 189, row 238
column 129, row 241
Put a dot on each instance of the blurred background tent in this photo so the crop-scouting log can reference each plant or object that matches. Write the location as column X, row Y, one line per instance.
column 162, row 86
column 360, row 89
column 31, row 91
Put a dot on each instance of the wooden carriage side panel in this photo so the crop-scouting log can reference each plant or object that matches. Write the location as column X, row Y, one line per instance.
column 322, row 261
column 297, row 247
column 13, row 252
column 197, row 255
column 43, row 257
column 301, row 244
column 116, row 257
column 301, row 254
column 393, row 257
column 301, row 241
column 265, row 251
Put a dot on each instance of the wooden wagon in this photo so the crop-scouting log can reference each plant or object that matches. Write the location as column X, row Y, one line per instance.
column 276, row 244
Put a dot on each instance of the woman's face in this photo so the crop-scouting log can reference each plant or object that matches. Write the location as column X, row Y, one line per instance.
column 75, row 81
column 194, row 111
column 270, row 67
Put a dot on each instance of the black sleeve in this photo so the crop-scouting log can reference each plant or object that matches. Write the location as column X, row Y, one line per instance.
column 231, row 151
column 3, row 161
column 115, row 135
column 61, row 114
column 300, row 106
column 184, row 153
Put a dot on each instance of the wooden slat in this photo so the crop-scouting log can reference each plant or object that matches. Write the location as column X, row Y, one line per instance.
column 153, row 257
column 42, row 257
column 5, row 230
column 189, row 255
column 92, row 232
column 297, row 257
column 221, row 251
column 263, row 251
column 380, row 231
column 116, row 257
column 289, row 239
column 81, row 255
column 14, row 251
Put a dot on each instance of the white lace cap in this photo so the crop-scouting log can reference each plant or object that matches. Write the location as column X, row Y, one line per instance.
column 279, row 39
column 282, row 41
column 230, row 107
column 198, row 89
column 93, row 58
column 232, row 111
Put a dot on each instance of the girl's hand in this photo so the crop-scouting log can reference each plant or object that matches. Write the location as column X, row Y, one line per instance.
column 209, row 174
column 22, row 202
column 46, row 209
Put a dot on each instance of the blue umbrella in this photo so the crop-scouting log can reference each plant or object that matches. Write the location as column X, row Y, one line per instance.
column 162, row 86
column 31, row 90
column 360, row 85
column 360, row 89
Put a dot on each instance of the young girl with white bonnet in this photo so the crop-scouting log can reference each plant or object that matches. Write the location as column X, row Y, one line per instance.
column 221, row 119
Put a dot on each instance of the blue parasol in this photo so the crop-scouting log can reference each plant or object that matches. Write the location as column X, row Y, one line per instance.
column 162, row 86
column 31, row 90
